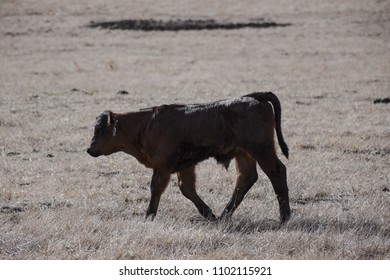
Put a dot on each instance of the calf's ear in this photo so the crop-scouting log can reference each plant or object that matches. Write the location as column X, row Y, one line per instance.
column 111, row 120
column 109, row 117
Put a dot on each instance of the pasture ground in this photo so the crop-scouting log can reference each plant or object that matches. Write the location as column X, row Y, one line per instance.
column 57, row 74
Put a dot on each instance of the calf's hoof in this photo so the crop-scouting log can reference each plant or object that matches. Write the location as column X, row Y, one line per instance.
column 285, row 217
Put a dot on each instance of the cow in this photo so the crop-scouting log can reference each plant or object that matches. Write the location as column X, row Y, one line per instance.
column 174, row 138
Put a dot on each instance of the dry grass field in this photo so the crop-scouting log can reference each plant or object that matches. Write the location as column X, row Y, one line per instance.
column 328, row 62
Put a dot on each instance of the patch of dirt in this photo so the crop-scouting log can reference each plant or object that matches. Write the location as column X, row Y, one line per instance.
column 108, row 174
column 319, row 197
column 307, row 147
column 7, row 209
column 11, row 209
column 54, row 205
column 180, row 25
column 382, row 100
column 375, row 152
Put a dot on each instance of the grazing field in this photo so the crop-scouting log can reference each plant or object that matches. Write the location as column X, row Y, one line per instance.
column 327, row 61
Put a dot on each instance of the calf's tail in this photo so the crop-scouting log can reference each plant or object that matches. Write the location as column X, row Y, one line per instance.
column 273, row 99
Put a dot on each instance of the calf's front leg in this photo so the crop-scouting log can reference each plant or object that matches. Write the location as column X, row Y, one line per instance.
column 158, row 184
column 187, row 187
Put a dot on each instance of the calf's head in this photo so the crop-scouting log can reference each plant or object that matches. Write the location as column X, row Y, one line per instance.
column 104, row 140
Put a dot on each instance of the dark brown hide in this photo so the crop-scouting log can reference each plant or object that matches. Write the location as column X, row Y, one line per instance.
column 174, row 138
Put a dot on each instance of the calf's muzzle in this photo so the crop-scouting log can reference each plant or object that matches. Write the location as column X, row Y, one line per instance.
column 92, row 152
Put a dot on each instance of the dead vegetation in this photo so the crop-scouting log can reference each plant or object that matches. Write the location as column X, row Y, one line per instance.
column 328, row 68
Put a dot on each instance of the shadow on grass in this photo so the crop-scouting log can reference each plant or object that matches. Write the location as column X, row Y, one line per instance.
column 362, row 228
column 313, row 226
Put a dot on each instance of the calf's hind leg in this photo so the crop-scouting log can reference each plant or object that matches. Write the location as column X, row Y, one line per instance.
column 187, row 180
column 246, row 177
column 276, row 172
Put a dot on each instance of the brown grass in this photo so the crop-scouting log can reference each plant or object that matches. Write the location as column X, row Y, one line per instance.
column 57, row 75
